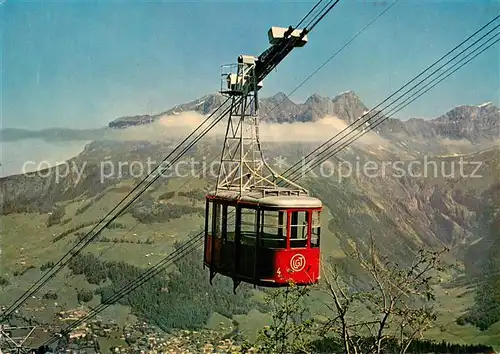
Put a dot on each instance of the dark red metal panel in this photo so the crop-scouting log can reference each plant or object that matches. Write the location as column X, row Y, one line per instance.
column 299, row 265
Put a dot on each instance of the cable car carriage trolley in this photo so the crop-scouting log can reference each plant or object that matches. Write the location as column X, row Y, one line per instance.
column 260, row 228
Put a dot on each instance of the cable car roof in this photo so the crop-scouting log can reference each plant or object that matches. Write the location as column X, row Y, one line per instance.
column 291, row 202
column 268, row 200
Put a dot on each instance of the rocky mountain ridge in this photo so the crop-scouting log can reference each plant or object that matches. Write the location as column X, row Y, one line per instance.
column 473, row 123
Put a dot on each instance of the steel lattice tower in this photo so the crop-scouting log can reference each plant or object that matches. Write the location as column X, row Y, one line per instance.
column 243, row 166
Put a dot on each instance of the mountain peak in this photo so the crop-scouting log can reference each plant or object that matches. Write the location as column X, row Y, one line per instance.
column 486, row 104
column 280, row 95
column 469, row 122
column 315, row 98
column 280, row 99
column 346, row 95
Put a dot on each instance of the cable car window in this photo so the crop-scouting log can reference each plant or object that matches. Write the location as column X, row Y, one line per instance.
column 231, row 223
column 248, row 226
column 274, row 229
column 316, row 228
column 209, row 218
column 298, row 229
column 224, row 223
column 217, row 220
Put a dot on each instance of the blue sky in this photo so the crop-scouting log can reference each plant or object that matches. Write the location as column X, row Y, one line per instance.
column 82, row 64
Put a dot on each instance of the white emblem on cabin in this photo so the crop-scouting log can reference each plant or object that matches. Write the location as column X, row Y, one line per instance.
column 298, row 262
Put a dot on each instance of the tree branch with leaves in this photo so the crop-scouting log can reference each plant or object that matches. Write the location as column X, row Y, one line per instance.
column 397, row 308
column 291, row 327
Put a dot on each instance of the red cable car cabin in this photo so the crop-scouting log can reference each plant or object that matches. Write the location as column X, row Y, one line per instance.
column 265, row 241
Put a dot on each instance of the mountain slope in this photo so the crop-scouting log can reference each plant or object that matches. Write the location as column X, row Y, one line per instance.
column 464, row 122
column 427, row 205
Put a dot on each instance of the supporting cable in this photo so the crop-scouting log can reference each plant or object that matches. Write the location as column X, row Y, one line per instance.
column 406, row 103
column 84, row 241
column 357, row 123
